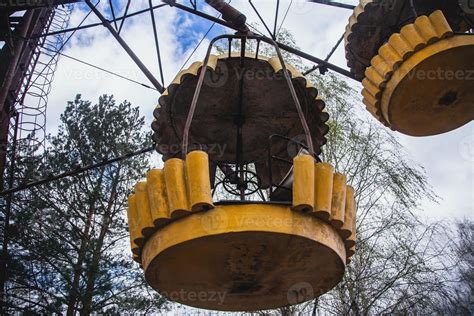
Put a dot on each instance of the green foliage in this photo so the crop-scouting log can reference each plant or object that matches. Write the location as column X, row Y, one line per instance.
column 71, row 248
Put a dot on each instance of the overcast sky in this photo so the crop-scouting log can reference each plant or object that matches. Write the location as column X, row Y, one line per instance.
column 448, row 159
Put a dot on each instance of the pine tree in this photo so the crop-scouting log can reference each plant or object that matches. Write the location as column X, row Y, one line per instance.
column 70, row 246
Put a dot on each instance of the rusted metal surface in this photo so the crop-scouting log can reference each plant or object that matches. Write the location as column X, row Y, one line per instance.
column 229, row 13
column 32, row 4
column 267, row 108
column 374, row 21
column 14, row 66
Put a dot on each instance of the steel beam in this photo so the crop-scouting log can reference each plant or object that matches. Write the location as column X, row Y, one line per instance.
column 15, row 5
column 285, row 47
column 335, row 4
column 122, row 18
column 76, row 171
column 157, row 43
column 127, row 48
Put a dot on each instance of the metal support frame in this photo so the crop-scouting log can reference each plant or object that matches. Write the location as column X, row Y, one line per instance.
column 157, row 43
column 124, row 15
column 111, row 5
column 322, row 69
column 287, row 48
column 27, row 5
column 76, row 171
column 127, row 48
column 240, row 121
column 242, row 28
column 276, row 20
column 335, row 4
column 122, row 19
column 321, row 63
column 261, row 19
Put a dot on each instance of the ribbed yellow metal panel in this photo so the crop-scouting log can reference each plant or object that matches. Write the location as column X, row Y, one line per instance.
column 157, row 196
column 136, row 240
column 176, row 187
column 402, row 47
column 338, row 203
column 303, row 183
column 411, row 34
column 323, row 190
column 350, row 213
column 382, row 68
column 145, row 222
column 216, row 250
column 426, row 29
column 198, row 181
column 390, row 55
column 440, row 24
column 351, row 240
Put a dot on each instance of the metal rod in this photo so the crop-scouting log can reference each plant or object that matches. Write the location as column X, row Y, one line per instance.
column 129, row 51
column 197, row 46
column 76, row 171
column 284, row 17
column 6, row 87
column 309, row 139
column 335, row 4
column 64, row 44
column 124, row 15
column 276, row 20
column 240, row 120
column 257, row 49
column 122, row 18
column 261, row 19
column 113, row 14
column 12, row 66
column 102, row 69
column 172, row 3
column 12, row 6
column 157, row 44
column 317, row 60
column 333, row 50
